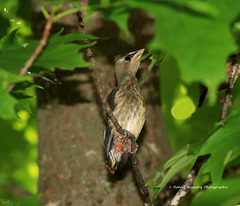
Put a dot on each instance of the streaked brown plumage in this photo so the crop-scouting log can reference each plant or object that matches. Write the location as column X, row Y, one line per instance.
column 128, row 106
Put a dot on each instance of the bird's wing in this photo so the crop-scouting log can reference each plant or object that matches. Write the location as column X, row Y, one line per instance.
column 108, row 136
column 111, row 97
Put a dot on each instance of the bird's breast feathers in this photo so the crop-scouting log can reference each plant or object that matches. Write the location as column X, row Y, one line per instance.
column 130, row 110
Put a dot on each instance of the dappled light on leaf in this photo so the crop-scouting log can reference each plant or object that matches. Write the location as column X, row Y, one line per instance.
column 183, row 108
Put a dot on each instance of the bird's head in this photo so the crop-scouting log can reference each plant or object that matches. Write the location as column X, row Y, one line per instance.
column 128, row 65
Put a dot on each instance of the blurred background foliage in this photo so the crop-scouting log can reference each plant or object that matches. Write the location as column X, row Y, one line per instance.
column 18, row 137
column 179, row 91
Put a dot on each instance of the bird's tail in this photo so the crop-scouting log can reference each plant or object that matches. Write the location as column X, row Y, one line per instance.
column 118, row 154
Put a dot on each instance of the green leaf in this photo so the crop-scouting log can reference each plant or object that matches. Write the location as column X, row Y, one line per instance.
column 113, row 10
column 19, row 94
column 169, row 82
column 5, row 24
column 11, row 6
column 7, row 105
column 57, row 53
column 37, row 71
column 7, row 78
column 105, row 2
column 23, row 105
column 31, row 201
column 177, row 167
column 48, row 79
column 202, row 7
column 60, row 53
column 64, row 57
column 176, row 163
column 223, row 145
column 155, row 60
column 13, row 56
column 74, row 2
column 120, row 16
column 200, row 43
column 24, row 85
column 10, row 42
column 190, row 149
column 222, row 193
column 7, row 101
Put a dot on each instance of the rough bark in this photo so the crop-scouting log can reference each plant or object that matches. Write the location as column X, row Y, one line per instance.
column 71, row 122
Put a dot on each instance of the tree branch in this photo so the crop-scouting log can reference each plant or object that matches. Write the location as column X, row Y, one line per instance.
column 186, row 187
column 140, row 181
column 126, row 134
column 39, row 48
column 234, row 72
column 98, row 81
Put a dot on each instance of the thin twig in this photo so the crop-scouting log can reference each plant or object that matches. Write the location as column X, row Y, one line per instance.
column 140, row 181
column 39, row 48
column 202, row 159
column 137, row 173
column 98, row 81
column 37, row 51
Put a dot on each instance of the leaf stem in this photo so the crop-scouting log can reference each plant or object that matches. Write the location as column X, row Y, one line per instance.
column 44, row 11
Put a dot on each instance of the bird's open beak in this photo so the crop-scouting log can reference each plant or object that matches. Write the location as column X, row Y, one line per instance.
column 137, row 55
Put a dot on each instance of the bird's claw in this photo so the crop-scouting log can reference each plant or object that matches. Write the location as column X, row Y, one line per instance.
column 131, row 150
column 134, row 150
column 126, row 133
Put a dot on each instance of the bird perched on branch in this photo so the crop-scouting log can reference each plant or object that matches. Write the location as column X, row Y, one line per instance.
column 127, row 104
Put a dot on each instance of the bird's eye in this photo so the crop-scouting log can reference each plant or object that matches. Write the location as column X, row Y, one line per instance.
column 127, row 58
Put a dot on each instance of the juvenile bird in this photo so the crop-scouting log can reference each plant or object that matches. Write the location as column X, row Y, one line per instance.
column 127, row 104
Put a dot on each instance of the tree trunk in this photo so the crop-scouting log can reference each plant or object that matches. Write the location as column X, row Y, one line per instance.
column 71, row 122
